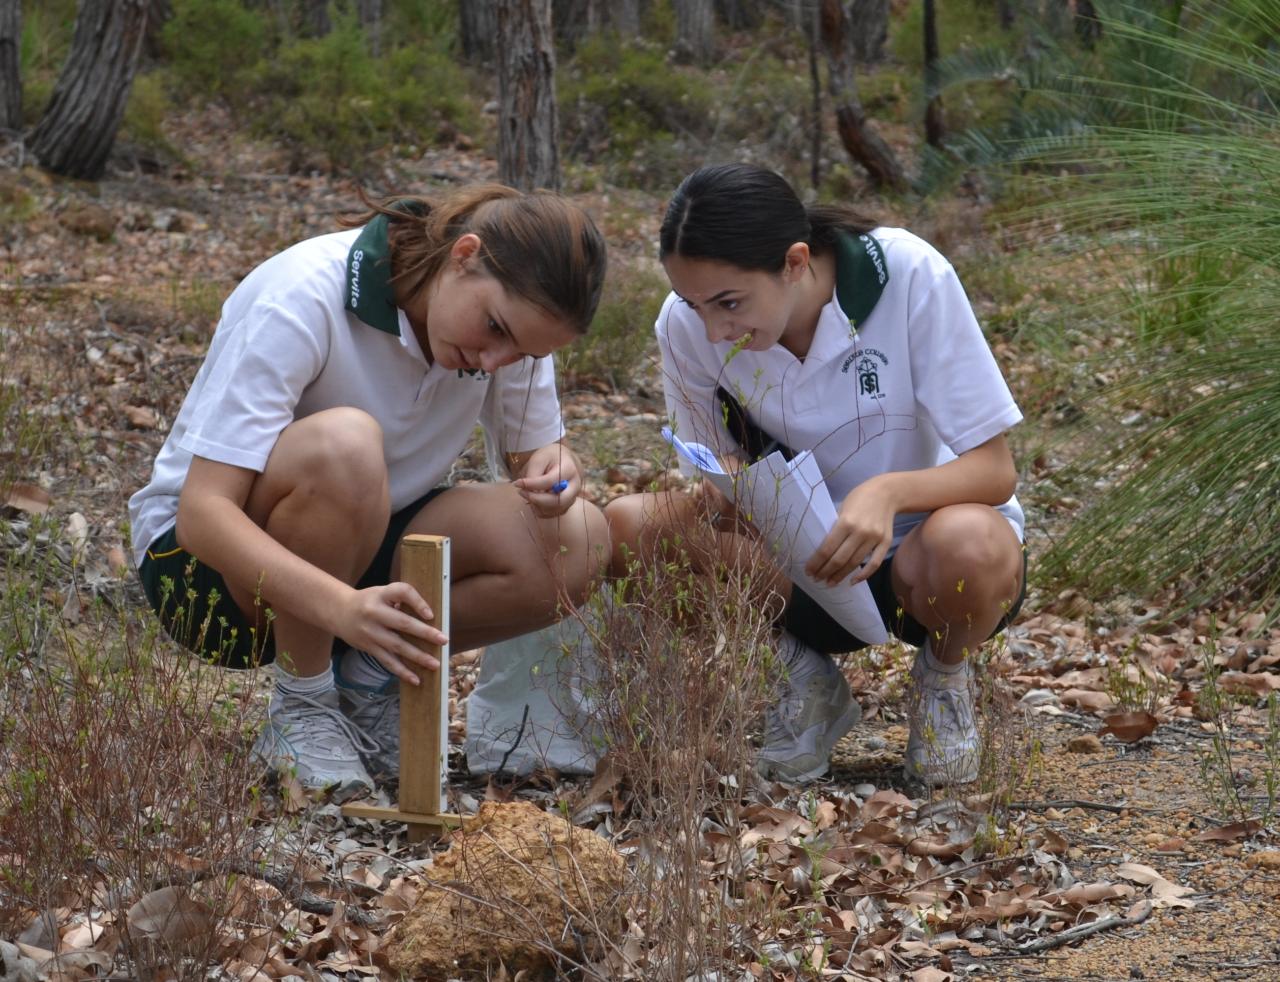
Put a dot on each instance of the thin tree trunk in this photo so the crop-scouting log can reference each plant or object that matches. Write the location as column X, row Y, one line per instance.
column 478, row 30
column 1005, row 12
column 75, row 135
column 10, row 63
column 624, row 15
column 815, row 82
column 315, row 18
column 859, row 139
column 369, row 13
column 934, row 127
column 869, row 25
column 528, row 155
column 693, row 31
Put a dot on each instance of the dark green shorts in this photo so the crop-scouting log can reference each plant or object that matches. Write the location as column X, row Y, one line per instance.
column 807, row 620
column 196, row 609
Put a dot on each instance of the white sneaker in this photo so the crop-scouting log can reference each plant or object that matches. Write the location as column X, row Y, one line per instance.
column 814, row 711
column 377, row 713
column 310, row 738
column 943, row 746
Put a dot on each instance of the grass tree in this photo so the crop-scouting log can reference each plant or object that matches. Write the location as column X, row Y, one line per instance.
column 1188, row 175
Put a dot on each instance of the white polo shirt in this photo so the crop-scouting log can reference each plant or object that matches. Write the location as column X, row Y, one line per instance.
column 913, row 387
column 286, row 347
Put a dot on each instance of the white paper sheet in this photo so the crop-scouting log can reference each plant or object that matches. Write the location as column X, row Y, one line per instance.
column 788, row 502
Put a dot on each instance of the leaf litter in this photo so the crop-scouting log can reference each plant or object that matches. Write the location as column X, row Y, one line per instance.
column 887, row 882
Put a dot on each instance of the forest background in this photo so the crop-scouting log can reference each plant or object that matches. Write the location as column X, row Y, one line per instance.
column 1104, row 178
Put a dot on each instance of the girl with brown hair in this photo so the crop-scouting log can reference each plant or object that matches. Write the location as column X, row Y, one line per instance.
column 344, row 378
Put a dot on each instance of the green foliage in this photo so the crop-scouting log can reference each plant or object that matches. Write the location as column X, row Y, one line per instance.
column 331, row 94
column 145, row 112
column 213, row 46
column 1190, row 489
column 621, row 335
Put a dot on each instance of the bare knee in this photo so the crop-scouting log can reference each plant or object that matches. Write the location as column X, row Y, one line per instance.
column 963, row 558
column 626, row 524
column 331, row 459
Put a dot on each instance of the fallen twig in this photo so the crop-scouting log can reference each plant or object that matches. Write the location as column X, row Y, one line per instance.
column 1039, row 806
column 1083, row 931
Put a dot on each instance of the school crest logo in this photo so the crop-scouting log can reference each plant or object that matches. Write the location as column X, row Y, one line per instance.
column 866, row 364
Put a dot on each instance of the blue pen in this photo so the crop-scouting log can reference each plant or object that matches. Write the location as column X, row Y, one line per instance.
column 559, row 486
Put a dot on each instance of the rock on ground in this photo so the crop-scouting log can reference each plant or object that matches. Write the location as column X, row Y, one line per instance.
column 515, row 886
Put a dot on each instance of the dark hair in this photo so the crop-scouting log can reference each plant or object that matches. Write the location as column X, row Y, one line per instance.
column 749, row 217
column 538, row 245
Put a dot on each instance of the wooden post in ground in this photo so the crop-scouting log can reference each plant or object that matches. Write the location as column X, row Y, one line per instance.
column 424, row 709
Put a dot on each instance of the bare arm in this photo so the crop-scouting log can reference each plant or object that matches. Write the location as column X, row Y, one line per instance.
column 213, row 525
column 864, row 529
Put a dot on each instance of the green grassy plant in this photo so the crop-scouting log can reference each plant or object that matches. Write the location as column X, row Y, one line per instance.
column 621, row 336
column 1188, row 434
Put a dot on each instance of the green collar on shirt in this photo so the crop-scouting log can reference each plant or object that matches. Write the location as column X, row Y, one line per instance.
column 861, row 275
column 369, row 294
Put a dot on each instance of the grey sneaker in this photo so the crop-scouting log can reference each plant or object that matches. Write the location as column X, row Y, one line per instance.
column 309, row 737
column 377, row 713
column 815, row 710
column 943, row 745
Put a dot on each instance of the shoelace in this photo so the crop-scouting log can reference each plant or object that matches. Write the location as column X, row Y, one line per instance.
column 332, row 718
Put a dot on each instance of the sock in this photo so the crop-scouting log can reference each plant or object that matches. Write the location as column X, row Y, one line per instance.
column 289, row 684
column 360, row 670
column 933, row 665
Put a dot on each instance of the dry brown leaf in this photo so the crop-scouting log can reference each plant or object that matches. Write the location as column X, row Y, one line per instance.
column 1259, row 684
column 1083, row 894
column 1229, row 832
column 141, row 417
column 169, row 915
column 28, row 498
column 1267, row 859
column 1163, row 892
column 1090, row 699
column 931, row 974
column 1129, row 727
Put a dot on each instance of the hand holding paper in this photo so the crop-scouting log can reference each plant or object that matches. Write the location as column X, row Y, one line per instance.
column 790, row 505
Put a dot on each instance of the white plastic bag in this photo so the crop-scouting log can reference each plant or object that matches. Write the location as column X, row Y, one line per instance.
column 542, row 673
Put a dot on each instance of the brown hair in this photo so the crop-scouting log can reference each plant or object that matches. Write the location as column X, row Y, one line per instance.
column 538, row 245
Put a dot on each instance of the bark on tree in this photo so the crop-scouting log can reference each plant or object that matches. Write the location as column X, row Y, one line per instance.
column 869, row 24
column 478, row 30
column 863, row 144
column 934, row 127
column 815, row 85
column 740, row 15
column 694, row 44
column 75, row 135
column 1005, row 11
column 10, row 62
column 369, row 14
column 574, row 20
column 624, row 17
column 315, row 18
column 528, row 127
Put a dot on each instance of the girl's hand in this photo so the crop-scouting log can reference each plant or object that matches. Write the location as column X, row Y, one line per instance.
column 551, row 481
column 374, row 619
column 857, row 543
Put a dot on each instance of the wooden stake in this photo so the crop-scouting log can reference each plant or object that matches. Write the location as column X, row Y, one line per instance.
column 424, row 708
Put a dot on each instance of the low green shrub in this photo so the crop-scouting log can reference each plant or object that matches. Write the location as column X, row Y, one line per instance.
column 621, row 335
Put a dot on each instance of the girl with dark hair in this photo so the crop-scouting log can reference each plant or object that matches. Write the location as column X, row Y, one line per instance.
column 813, row 329
column 345, row 376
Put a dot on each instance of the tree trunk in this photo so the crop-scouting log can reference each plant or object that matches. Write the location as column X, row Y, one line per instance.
column 1005, row 11
column 862, row 143
column 1088, row 25
column 369, row 13
column 934, row 128
column 158, row 12
column 869, row 25
column 10, row 63
column 315, row 18
column 740, row 15
column 574, row 20
column 693, row 31
column 528, row 156
column 624, row 17
column 815, row 84
column 478, row 30
column 75, row 135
